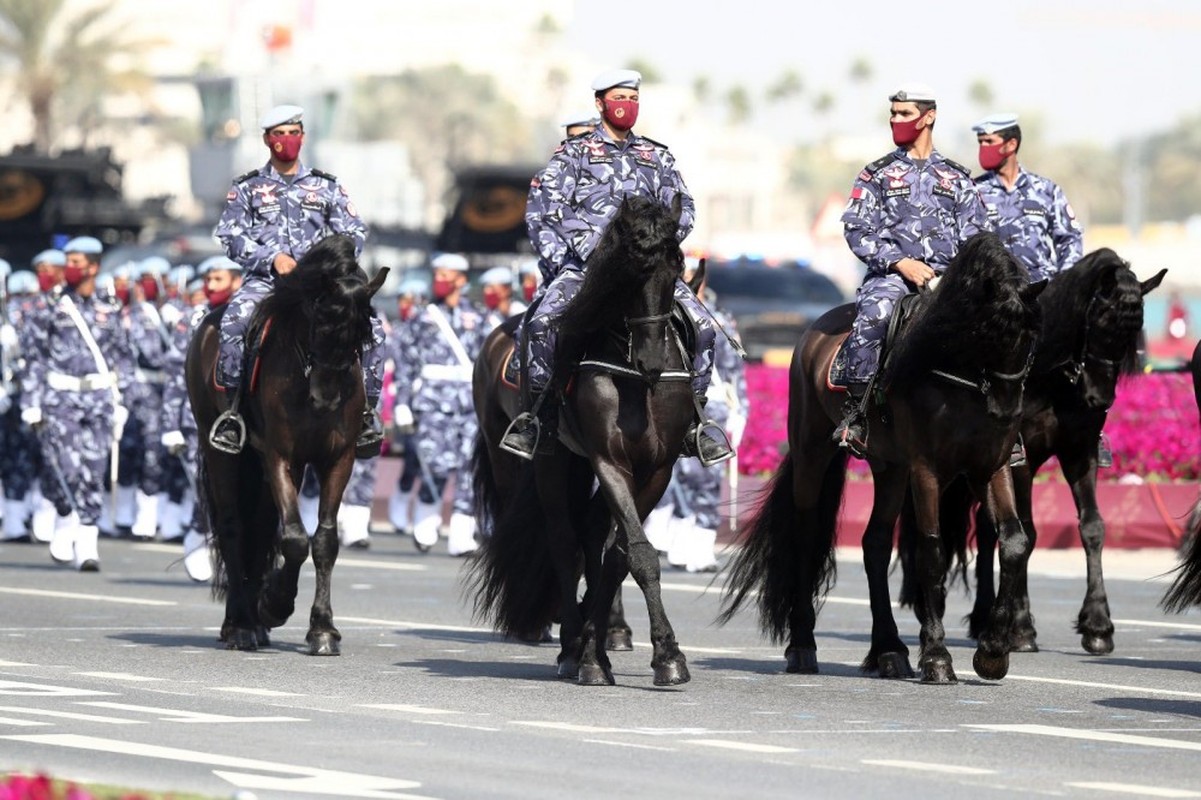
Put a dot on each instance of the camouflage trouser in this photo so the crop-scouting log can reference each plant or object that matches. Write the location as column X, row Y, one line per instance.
column 237, row 318
column 142, row 454
column 76, row 435
column 360, row 489
column 696, row 489
column 876, row 299
column 442, row 444
column 542, row 329
column 19, row 456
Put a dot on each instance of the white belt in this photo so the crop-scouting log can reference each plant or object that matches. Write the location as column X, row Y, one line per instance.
column 88, row 383
column 150, row 375
column 447, row 372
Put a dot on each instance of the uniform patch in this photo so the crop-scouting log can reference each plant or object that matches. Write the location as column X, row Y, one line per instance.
column 857, row 193
column 233, row 195
column 351, row 210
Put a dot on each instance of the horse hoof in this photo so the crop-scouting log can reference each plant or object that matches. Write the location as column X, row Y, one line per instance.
column 803, row 662
column 672, row 673
column 1023, row 644
column 990, row 667
column 1097, row 645
column 324, row 644
column 271, row 617
column 938, row 672
column 893, row 665
column 568, row 669
column 241, row 639
column 594, row 675
column 261, row 636
column 619, row 640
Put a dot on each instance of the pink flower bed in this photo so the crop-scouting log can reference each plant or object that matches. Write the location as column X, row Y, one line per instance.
column 1153, row 427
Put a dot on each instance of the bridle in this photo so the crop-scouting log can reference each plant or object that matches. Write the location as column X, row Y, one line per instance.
column 308, row 358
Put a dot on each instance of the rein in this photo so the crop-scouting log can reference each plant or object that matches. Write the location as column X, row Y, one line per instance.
column 308, row 360
column 628, row 371
column 984, row 384
column 1073, row 367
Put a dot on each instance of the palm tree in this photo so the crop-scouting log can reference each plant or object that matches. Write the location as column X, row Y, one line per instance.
column 738, row 103
column 980, row 93
column 63, row 62
column 785, row 87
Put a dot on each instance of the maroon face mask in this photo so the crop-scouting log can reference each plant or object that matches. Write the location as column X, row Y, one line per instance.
column 528, row 291
column 46, row 281
column 122, row 293
column 991, row 156
column 150, row 289
column 621, row 114
column 443, row 289
column 218, row 297
column 904, row 133
column 284, row 148
column 492, row 298
column 73, row 274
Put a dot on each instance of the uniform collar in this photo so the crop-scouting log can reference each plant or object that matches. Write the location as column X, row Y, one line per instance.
column 268, row 171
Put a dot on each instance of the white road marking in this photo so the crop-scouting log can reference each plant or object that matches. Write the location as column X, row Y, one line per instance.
column 631, row 744
column 1093, row 685
column 257, row 692
column 1180, row 626
column 921, row 766
column 745, row 747
column 694, row 588
column 397, row 566
column 408, row 709
column 178, row 715
column 567, row 726
column 120, row 676
column 15, row 664
column 309, row 779
column 23, row 723
column 1092, row 736
column 93, row 598
column 21, row 689
column 454, row 725
column 409, row 625
column 42, row 712
column 1132, row 788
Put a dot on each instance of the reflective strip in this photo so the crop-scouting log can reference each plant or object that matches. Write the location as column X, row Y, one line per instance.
column 88, row 383
column 447, row 372
column 150, row 375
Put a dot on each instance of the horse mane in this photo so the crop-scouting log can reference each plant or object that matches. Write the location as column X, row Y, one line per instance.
column 328, row 283
column 1067, row 301
column 970, row 319
column 640, row 240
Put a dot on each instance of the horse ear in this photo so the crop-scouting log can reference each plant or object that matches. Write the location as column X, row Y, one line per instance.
column 375, row 283
column 698, row 278
column 1153, row 281
column 1031, row 292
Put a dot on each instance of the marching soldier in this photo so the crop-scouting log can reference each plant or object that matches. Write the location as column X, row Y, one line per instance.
column 413, row 295
column 434, row 358
column 48, row 270
column 79, row 366
column 497, row 284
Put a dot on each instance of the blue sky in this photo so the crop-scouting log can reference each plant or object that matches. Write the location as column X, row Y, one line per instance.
column 1100, row 70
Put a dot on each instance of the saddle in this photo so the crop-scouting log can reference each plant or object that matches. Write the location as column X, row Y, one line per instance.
column 836, row 377
column 256, row 335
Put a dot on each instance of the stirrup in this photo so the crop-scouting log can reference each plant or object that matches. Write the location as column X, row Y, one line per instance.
column 721, row 439
column 1017, row 457
column 522, row 422
column 229, row 415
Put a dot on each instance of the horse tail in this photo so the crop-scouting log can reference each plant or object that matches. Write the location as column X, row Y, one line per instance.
column 954, row 526
column 780, row 558
column 487, row 498
column 513, row 578
column 1186, row 589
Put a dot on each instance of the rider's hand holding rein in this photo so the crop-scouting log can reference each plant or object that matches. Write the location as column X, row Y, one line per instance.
column 912, row 270
column 283, row 263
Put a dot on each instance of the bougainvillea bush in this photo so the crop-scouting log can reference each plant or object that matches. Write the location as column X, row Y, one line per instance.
column 1153, row 427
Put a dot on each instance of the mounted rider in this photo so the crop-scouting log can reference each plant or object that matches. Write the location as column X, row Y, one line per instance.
column 571, row 202
column 273, row 215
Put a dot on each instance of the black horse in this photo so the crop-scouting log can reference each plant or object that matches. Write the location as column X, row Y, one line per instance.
column 622, row 424
column 1092, row 324
column 948, row 405
column 1185, row 590
column 307, row 408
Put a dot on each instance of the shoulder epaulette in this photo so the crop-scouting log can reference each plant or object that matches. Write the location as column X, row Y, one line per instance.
column 880, row 163
column 656, row 144
column 955, row 165
column 246, row 177
column 323, row 174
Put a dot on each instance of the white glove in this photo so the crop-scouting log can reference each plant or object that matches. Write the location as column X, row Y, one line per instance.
column 5, row 401
column 31, row 416
column 170, row 315
column 174, row 442
column 120, row 417
column 402, row 418
column 735, row 427
column 8, row 337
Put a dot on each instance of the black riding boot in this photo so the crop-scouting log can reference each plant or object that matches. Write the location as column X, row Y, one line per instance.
column 851, row 433
column 700, row 442
column 371, row 438
column 528, row 434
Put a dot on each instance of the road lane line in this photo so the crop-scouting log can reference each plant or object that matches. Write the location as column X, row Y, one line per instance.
column 693, row 588
column 922, row 766
column 454, row 725
column 408, row 709
column 1132, row 788
column 1181, row 626
column 1092, row 736
column 42, row 712
column 745, row 747
column 93, row 598
column 256, row 692
column 631, row 744
column 119, row 676
column 179, row 715
column 409, row 625
column 1094, row 685
column 154, row 547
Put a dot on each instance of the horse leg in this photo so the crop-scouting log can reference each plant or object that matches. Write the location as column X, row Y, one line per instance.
column 814, row 494
column 667, row 662
column 935, row 660
column 1094, row 623
column 1024, row 638
column 992, row 649
column 238, row 629
column 552, row 474
column 888, row 656
column 618, row 637
column 277, row 600
column 323, row 637
column 986, row 593
column 603, row 572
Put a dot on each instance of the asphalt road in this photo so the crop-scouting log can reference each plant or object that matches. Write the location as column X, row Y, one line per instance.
column 117, row 677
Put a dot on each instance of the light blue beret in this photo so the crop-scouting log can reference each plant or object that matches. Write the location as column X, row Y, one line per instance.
column 154, row 265
column 995, row 122
column 611, row 78
column 217, row 262
column 23, row 282
column 912, row 93
column 413, row 286
column 497, row 275
column 88, row 245
column 281, row 115
column 55, row 258
column 449, row 261
column 588, row 117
